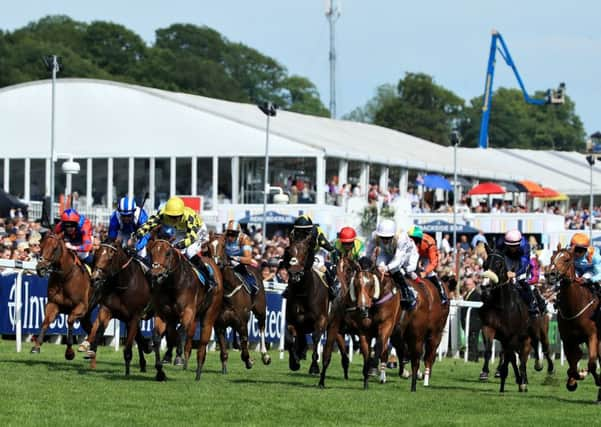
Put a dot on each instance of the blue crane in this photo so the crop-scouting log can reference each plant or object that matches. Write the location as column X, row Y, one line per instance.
column 553, row 96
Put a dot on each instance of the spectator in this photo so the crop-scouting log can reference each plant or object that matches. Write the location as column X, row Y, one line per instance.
column 463, row 243
column 478, row 238
column 471, row 293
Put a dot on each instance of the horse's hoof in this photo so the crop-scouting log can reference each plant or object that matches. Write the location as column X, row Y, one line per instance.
column 483, row 376
column 538, row 366
column 266, row 358
column 523, row 388
column 148, row 347
column 248, row 363
column 197, row 376
column 293, row 365
column 166, row 360
column 161, row 376
column 372, row 372
column 405, row 374
column 365, row 385
column 142, row 368
column 572, row 386
column 84, row 346
column 314, row 369
column 321, row 385
column 69, row 354
column 382, row 381
column 224, row 370
column 35, row 350
column 497, row 374
column 420, row 376
column 179, row 361
column 89, row 355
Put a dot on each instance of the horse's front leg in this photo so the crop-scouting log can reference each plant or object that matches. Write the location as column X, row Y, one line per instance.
column 207, row 327
column 49, row 315
column 320, row 327
column 593, row 352
column 76, row 313
column 488, row 335
column 188, row 322
column 157, row 334
column 132, row 331
column 100, row 325
column 292, row 344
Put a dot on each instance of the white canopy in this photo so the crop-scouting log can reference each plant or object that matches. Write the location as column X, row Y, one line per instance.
column 97, row 118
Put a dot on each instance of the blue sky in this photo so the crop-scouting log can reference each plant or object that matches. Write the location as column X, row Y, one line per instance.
column 379, row 40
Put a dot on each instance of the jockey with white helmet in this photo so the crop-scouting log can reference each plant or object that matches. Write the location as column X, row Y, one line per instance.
column 396, row 254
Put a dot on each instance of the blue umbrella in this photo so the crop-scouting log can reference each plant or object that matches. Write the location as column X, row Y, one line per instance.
column 437, row 181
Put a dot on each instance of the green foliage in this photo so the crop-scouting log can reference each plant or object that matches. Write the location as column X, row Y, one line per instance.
column 370, row 216
column 516, row 124
column 185, row 57
column 45, row 389
column 422, row 108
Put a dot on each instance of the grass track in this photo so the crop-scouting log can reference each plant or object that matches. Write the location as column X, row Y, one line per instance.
column 46, row 389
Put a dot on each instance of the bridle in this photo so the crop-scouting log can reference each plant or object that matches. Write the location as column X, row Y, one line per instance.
column 111, row 272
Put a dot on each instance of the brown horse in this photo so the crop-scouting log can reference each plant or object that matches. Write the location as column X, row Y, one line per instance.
column 576, row 318
column 365, row 308
column 237, row 305
column 69, row 290
column 124, row 295
column 178, row 295
column 307, row 303
column 505, row 317
column 420, row 330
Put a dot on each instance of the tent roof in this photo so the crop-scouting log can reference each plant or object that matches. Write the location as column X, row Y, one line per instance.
column 98, row 118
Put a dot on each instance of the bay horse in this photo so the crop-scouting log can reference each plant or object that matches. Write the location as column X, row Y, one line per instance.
column 366, row 308
column 237, row 305
column 577, row 317
column 504, row 317
column 178, row 295
column 69, row 289
column 307, row 303
column 419, row 331
column 124, row 295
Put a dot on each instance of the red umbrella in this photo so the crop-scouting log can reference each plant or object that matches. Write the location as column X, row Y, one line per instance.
column 486, row 188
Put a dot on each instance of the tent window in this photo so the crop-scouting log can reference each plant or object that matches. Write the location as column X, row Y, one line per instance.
column 141, row 179
column 99, row 181
column 204, row 180
column 17, row 177
column 120, row 178
column 162, row 167
column 37, row 179
column 183, row 176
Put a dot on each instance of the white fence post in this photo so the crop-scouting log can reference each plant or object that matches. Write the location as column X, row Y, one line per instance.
column 282, row 328
column 18, row 312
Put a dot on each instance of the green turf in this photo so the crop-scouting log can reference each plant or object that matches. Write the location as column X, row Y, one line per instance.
column 45, row 389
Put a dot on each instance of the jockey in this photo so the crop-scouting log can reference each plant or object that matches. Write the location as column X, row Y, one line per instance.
column 587, row 261
column 303, row 228
column 189, row 228
column 77, row 232
column 533, row 282
column 238, row 248
column 428, row 255
column 126, row 220
column 348, row 245
column 517, row 260
column 398, row 256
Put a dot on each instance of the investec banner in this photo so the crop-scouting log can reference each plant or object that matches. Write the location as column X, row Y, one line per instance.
column 34, row 297
column 34, row 293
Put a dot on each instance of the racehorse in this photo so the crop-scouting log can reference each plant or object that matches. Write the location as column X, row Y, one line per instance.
column 307, row 303
column 69, row 290
column 577, row 317
column 505, row 317
column 419, row 331
column 124, row 294
column 366, row 308
column 237, row 305
column 178, row 295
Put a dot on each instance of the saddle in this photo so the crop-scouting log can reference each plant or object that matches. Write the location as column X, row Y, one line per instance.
column 322, row 277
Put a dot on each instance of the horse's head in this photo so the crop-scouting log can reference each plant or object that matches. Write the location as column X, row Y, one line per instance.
column 163, row 257
column 495, row 267
column 216, row 247
column 301, row 258
column 106, row 260
column 52, row 249
column 561, row 266
column 364, row 287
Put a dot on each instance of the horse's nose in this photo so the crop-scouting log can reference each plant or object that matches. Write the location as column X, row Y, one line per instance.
column 364, row 312
column 293, row 261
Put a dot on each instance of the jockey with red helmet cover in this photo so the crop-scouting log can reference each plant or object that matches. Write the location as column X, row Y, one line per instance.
column 348, row 244
column 587, row 260
column 77, row 233
column 517, row 260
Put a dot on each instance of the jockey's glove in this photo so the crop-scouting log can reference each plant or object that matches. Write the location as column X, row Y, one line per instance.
column 180, row 245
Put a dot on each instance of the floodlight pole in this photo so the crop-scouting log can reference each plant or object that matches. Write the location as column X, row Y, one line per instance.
column 332, row 14
column 591, row 162
column 54, row 68
column 269, row 109
column 455, row 140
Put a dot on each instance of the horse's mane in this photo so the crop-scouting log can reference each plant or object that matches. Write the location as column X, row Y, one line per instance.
column 365, row 263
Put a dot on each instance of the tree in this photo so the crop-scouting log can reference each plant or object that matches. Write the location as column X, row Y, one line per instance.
column 517, row 124
column 385, row 94
column 422, row 108
column 301, row 96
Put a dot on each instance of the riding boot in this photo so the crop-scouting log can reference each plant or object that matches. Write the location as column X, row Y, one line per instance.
column 528, row 297
column 330, row 275
column 443, row 296
column 408, row 300
column 248, row 278
column 204, row 270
